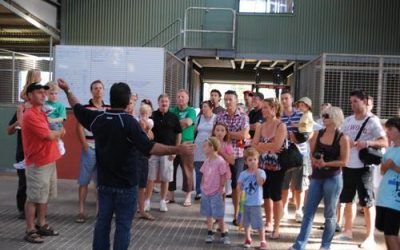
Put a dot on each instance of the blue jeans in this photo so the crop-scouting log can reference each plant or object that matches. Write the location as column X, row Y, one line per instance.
column 197, row 166
column 328, row 189
column 122, row 203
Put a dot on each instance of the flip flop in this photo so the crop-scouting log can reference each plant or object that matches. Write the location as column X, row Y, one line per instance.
column 147, row 217
column 343, row 238
column 276, row 237
column 80, row 218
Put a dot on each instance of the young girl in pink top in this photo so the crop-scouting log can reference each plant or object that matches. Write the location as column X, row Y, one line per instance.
column 212, row 186
column 220, row 131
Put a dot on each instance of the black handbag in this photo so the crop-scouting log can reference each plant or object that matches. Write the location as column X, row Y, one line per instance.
column 368, row 155
column 290, row 156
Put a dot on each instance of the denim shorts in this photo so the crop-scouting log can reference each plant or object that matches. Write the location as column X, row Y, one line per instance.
column 252, row 217
column 212, row 206
column 88, row 170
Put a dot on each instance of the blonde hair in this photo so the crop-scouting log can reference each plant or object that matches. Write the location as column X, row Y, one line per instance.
column 53, row 86
column 32, row 77
column 250, row 152
column 275, row 104
column 214, row 142
column 145, row 108
column 336, row 115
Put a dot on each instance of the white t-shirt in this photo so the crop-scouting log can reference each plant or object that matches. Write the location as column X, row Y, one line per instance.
column 204, row 130
column 373, row 130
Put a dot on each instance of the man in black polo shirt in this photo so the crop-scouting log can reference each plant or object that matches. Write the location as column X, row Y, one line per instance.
column 119, row 138
column 255, row 115
column 167, row 130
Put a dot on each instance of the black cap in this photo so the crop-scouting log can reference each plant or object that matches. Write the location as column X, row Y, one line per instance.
column 33, row 86
column 259, row 95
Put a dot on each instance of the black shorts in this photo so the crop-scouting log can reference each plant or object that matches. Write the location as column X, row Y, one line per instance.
column 143, row 171
column 360, row 180
column 387, row 221
column 272, row 188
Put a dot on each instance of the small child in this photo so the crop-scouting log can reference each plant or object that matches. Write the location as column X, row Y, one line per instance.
column 251, row 182
column 145, row 121
column 220, row 131
column 306, row 122
column 212, row 186
column 56, row 112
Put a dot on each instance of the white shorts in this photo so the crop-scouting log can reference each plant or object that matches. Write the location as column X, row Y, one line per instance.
column 162, row 167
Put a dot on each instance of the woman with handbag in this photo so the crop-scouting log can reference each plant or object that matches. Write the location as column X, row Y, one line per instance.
column 329, row 153
column 269, row 140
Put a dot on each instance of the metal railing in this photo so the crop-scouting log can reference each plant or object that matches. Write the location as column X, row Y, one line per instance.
column 13, row 68
column 169, row 33
column 186, row 30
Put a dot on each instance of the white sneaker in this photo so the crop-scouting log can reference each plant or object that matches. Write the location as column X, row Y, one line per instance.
column 163, row 206
column 19, row 165
column 225, row 240
column 298, row 216
column 147, row 205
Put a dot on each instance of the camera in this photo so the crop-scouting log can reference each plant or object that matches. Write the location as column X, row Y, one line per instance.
column 318, row 155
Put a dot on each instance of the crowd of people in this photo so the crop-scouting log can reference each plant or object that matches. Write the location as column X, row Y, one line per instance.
column 223, row 152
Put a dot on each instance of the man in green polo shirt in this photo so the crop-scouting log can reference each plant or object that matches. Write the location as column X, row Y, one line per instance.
column 187, row 116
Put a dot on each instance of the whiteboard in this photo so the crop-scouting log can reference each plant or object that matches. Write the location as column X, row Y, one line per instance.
column 141, row 68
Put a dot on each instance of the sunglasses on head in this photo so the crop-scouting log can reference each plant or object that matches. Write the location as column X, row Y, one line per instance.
column 325, row 116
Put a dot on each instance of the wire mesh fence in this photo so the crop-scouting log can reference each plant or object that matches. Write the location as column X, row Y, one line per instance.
column 174, row 76
column 331, row 77
column 13, row 70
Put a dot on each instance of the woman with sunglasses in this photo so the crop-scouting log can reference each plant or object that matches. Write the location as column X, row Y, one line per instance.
column 329, row 153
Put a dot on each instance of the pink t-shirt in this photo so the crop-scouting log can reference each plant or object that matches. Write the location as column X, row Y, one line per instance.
column 212, row 171
column 228, row 149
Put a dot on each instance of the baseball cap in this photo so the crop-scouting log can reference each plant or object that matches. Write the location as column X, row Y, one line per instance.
column 305, row 100
column 249, row 92
column 33, row 86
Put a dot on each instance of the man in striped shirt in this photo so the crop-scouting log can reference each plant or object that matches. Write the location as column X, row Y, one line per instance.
column 297, row 177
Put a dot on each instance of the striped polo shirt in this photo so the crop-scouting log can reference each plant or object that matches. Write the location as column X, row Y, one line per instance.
column 292, row 122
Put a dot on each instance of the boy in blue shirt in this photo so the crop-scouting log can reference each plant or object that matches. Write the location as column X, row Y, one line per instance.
column 388, row 200
column 251, row 181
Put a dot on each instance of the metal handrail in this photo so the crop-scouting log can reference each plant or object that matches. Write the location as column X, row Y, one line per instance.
column 185, row 30
column 178, row 20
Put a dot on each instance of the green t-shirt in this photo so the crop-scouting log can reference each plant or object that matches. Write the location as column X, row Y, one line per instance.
column 55, row 110
column 189, row 112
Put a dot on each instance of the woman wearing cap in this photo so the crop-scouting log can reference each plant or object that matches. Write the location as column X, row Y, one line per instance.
column 329, row 153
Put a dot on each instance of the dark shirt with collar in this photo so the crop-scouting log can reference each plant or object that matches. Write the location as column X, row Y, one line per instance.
column 19, row 156
column 166, row 127
column 255, row 116
column 119, row 139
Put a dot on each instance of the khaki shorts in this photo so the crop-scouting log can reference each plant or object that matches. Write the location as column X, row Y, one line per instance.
column 160, row 166
column 41, row 183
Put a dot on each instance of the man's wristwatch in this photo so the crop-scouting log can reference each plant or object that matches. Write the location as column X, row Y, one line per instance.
column 68, row 91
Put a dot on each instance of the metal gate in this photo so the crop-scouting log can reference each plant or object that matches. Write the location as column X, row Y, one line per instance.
column 331, row 77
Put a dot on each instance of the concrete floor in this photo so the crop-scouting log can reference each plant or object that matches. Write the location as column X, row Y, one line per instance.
column 180, row 228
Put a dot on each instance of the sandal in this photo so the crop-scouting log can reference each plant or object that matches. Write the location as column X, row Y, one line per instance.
column 80, row 218
column 33, row 237
column 146, row 216
column 187, row 204
column 46, row 230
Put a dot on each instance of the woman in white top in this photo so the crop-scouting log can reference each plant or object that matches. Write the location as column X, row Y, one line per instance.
column 203, row 129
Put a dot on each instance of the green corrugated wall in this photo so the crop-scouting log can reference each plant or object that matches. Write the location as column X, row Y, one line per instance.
column 334, row 26
column 8, row 143
column 337, row 26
